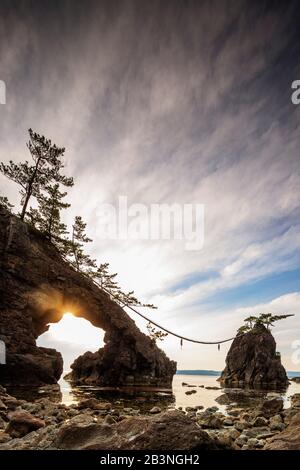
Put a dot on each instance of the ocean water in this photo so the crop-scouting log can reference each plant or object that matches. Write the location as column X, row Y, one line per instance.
column 207, row 397
column 200, row 380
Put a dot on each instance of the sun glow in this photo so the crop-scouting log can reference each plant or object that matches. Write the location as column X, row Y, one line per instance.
column 72, row 329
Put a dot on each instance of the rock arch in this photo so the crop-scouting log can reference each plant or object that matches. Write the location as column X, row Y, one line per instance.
column 36, row 287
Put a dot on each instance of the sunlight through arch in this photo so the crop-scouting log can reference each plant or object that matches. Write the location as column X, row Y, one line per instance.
column 72, row 336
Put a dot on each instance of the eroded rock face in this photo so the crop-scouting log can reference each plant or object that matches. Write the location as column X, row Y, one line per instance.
column 167, row 431
column 288, row 439
column 252, row 361
column 36, row 288
column 21, row 423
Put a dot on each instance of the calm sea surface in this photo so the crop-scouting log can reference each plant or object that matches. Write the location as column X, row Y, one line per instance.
column 203, row 396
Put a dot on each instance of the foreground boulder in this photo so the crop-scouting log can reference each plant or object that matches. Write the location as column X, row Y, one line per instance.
column 271, row 407
column 295, row 400
column 252, row 362
column 171, row 430
column 36, row 288
column 289, row 439
column 166, row 431
column 21, row 423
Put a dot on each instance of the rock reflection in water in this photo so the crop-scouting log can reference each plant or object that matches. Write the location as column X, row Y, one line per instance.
column 144, row 399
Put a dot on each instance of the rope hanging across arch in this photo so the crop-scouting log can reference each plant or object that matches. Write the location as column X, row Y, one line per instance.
column 191, row 340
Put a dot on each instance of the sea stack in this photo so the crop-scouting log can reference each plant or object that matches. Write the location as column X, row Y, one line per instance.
column 252, row 361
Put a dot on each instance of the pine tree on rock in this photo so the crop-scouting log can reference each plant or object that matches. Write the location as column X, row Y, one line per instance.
column 45, row 169
column 47, row 217
column 157, row 335
column 107, row 282
column 4, row 202
column 266, row 319
column 104, row 279
column 79, row 260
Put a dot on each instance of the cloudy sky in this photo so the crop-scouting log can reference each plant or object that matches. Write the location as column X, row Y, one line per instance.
column 171, row 102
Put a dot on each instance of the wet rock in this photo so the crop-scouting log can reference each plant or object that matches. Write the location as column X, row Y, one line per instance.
column 3, row 407
column 190, row 392
column 289, row 439
column 272, row 395
column 288, row 414
column 3, row 423
column 21, row 423
column 224, row 438
column 275, row 419
column 223, row 399
column 234, row 412
column 296, row 380
column 266, row 434
column 260, row 421
column 212, row 409
column 209, row 420
column 4, row 437
column 109, row 420
column 94, row 404
column 252, row 443
column 241, row 440
column 295, row 400
column 228, row 422
column 271, row 407
column 213, row 388
column 241, row 425
column 166, row 431
column 276, row 423
column 155, row 410
column 36, row 440
column 246, row 416
column 245, row 447
column 191, row 408
column 11, row 402
column 233, row 433
column 277, row 427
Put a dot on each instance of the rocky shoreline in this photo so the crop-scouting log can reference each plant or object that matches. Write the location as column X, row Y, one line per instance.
column 111, row 425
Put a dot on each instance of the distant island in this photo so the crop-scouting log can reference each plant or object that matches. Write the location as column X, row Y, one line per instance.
column 199, row 372
column 217, row 373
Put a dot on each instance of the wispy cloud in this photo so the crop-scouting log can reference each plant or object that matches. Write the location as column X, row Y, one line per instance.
column 166, row 102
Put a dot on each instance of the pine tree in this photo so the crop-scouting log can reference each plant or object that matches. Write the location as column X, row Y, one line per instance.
column 265, row 319
column 107, row 282
column 79, row 260
column 47, row 217
column 155, row 334
column 4, row 202
column 44, row 170
column 104, row 279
